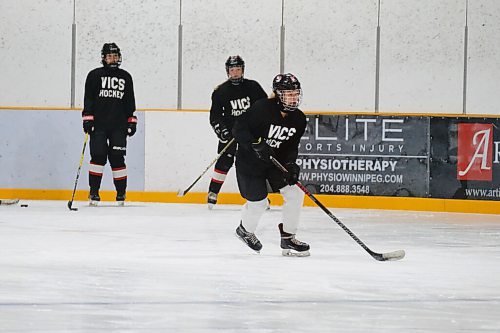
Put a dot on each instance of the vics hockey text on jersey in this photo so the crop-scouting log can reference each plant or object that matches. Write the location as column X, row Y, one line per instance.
column 239, row 106
column 277, row 134
column 112, row 87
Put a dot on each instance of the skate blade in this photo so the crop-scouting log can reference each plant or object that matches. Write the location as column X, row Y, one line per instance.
column 211, row 206
column 120, row 203
column 292, row 253
column 93, row 203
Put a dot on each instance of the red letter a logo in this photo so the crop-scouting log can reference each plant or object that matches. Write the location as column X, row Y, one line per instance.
column 475, row 151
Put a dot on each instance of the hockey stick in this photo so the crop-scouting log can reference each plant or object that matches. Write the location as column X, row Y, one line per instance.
column 395, row 255
column 8, row 202
column 70, row 203
column 182, row 193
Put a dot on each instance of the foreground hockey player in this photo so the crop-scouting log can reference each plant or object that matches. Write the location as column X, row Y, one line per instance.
column 108, row 116
column 271, row 127
column 229, row 100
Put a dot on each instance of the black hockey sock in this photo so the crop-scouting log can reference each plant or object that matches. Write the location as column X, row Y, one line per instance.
column 214, row 187
column 95, row 182
column 120, row 179
column 95, row 174
column 120, row 185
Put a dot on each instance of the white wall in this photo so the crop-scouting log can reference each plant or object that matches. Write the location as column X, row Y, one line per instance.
column 35, row 52
column 484, row 57
column 213, row 30
column 146, row 32
column 330, row 45
column 422, row 56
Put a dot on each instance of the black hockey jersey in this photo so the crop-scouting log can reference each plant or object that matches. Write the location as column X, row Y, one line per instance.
column 264, row 119
column 109, row 97
column 230, row 101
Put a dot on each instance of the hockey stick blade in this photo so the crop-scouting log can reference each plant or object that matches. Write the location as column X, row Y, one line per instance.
column 389, row 256
column 9, row 201
column 70, row 203
column 181, row 193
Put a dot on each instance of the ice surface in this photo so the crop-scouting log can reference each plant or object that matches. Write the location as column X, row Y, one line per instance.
column 179, row 268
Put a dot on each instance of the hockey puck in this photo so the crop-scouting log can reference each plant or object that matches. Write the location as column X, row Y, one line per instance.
column 25, row 205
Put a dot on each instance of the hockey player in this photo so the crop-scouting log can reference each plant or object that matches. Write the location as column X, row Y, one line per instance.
column 271, row 127
column 108, row 116
column 229, row 100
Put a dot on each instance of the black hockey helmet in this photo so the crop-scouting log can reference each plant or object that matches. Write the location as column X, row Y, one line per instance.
column 235, row 61
column 110, row 48
column 288, row 90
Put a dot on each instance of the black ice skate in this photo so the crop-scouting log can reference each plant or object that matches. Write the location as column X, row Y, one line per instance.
column 211, row 199
column 94, row 197
column 248, row 238
column 291, row 246
column 120, row 199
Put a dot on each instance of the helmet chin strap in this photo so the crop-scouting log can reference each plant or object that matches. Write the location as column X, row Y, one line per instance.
column 235, row 81
column 288, row 109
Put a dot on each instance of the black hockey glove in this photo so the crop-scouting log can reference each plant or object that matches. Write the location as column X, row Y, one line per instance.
column 131, row 125
column 222, row 132
column 225, row 135
column 262, row 150
column 88, row 123
column 292, row 176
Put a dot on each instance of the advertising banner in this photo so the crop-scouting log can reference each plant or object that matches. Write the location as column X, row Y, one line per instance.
column 366, row 155
column 465, row 158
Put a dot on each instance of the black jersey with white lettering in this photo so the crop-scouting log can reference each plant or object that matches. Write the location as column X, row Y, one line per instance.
column 109, row 97
column 282, row 132
column 230, row 101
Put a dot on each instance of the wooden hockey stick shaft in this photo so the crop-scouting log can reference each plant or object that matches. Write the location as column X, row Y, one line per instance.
column 70, row 203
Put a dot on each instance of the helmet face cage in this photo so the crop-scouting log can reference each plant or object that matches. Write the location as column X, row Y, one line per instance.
column 287, row 88
column 290, row 99
column 111, row 48
column 235, row 61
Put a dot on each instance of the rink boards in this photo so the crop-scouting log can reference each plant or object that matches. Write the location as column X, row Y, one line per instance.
column 420, row 153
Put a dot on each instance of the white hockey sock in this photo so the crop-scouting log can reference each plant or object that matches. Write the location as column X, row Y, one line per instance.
column 119, row 173
column 294, row 199
column 219, row 176
column 251, row 213
column 96, row 169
